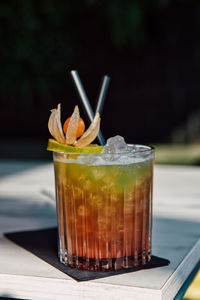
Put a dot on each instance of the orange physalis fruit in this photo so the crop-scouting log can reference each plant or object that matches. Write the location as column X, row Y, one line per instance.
column 81, row 126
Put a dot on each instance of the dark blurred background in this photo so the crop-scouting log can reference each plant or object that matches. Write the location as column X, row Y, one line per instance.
column 151, row 50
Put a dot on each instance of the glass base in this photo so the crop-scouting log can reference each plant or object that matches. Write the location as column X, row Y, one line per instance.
column 112, row 264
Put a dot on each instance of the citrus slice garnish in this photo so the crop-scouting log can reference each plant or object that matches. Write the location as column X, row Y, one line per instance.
column 53, row 145
column 90, row 134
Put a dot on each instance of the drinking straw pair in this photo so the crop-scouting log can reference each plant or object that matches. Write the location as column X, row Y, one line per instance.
column 86, row 102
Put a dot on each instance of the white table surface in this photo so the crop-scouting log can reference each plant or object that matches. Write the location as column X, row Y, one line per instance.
column 27, row 202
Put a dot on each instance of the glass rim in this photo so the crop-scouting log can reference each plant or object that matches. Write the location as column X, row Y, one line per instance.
column 144, row 149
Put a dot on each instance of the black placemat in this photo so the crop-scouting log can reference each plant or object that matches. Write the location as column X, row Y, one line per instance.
column 43, row 243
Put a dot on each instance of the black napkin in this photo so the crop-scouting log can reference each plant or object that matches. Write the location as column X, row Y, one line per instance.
column 43, row 243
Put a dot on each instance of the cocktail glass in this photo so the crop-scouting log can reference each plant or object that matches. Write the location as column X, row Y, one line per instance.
column 104, row 208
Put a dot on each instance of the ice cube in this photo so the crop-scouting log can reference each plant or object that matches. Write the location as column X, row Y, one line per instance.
column 115, row 144
column 109, row 149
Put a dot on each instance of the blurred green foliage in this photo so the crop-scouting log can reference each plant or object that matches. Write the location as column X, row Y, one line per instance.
column 40, row 38
column 177, row 154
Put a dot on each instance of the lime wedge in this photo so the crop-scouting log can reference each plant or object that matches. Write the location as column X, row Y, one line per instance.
column 53, row 145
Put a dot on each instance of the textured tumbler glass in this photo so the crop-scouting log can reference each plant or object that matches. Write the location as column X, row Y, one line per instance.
column 104, row 208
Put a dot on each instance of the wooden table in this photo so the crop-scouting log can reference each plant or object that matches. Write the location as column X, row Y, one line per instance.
column 27, row 202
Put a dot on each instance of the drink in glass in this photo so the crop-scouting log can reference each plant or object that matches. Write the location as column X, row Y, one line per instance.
column 104, row 208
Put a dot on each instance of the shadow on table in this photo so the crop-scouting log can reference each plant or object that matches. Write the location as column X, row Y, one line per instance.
column 10, row 167
column 9, row 297
column 37, row 206
column 179, row 234
column 180, row 237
